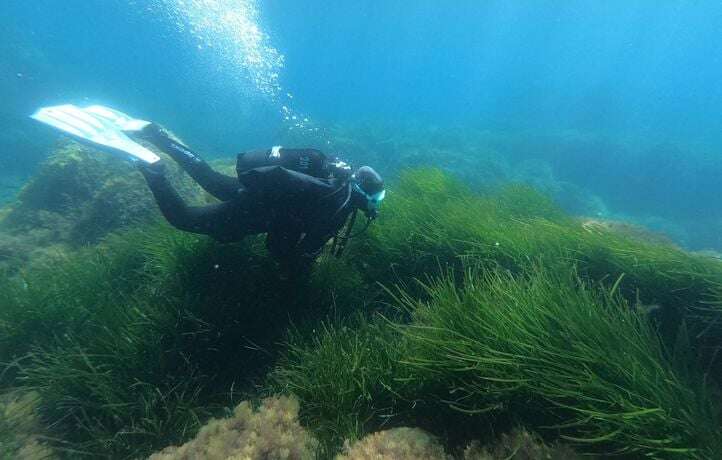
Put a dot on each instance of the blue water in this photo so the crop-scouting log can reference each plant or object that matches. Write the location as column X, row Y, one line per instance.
column 619, row 98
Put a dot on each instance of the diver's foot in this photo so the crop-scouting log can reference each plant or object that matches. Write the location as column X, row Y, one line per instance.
column 155, row 134
column 150, row 132
column 152, row 169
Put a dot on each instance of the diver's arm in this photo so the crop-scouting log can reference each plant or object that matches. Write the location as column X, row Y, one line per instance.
column 310, row 246
column 219, row 185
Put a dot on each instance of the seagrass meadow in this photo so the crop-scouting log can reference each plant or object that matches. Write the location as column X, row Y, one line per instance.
column 494, row 322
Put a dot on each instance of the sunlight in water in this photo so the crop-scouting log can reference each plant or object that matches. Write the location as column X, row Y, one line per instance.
column 231, row 29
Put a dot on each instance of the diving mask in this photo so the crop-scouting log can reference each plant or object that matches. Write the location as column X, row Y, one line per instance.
column 373, row 201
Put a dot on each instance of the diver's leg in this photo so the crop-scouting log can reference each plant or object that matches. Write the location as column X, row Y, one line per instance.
column 219, row 185
column 217, row 220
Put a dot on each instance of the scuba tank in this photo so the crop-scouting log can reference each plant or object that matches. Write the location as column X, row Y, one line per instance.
column 307, row 161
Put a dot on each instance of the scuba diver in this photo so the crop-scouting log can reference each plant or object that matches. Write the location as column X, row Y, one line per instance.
column 299, row 197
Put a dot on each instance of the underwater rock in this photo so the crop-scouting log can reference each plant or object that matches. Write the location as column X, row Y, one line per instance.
column 395, row 444
column 637, row 232
column 78, row 197
column 20, row 428
column 120, row 202
column 709, row 253
column 416, row 444
column 270, row 432
column 519, row 445
column 16, row 251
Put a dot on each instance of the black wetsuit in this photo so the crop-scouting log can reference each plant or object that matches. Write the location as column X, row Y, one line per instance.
column 299, row 212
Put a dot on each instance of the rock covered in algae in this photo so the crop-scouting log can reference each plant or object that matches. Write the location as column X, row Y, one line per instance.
column 396, row 444
column 270, row 432
column 20, row 428
column 416, row 444
column 638, row 232
column 519, row 445
column 79, row 196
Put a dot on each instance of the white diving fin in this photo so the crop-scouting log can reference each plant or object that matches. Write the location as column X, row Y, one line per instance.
column 98, row 125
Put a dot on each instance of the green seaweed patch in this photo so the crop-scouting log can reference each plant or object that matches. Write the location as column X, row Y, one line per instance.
column 552, row 349
column 546, row 350
column 132, row 344
column 432, row 222
column 348, row 376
